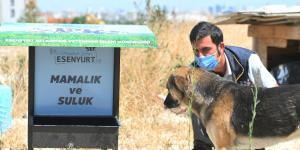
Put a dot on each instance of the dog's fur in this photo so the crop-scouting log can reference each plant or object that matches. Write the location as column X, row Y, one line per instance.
column 225, row 108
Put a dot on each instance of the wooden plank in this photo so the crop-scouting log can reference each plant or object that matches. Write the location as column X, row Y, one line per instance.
column 278, row 22
column 275, row 31
column 263, row 19
column 261, row 49
column 259, row 31
column 272, row 42
column 288, row 32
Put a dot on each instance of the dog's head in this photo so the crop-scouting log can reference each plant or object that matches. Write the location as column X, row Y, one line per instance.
column 177, row 85
column 188, row 86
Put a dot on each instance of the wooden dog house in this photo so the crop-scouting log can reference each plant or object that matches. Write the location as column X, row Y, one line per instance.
column 276, row 36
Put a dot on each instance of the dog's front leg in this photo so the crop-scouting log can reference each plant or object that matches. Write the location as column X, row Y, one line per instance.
column 220, row 141
column 223, row 148
column 219, row 127
column 221, row 133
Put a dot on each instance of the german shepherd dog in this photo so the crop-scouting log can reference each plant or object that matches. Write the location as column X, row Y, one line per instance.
column 225, row 108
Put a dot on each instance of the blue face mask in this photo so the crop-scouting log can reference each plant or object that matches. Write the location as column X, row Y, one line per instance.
column 207, row 62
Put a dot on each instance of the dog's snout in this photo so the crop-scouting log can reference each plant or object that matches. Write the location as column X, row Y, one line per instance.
column 170, row 102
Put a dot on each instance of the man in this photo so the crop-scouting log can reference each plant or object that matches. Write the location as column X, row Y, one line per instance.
column 233, row 63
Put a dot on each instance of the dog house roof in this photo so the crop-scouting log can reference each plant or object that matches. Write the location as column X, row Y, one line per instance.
column 76, row 35
column 268, row 16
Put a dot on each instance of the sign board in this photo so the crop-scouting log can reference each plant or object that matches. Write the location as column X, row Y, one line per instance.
column 76, row 35
column 73, row 97
column 73, row 81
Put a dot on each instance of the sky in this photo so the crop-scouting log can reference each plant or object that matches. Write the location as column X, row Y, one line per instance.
column 178, row 5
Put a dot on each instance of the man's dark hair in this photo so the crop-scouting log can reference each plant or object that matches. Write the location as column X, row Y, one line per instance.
column 203, row 29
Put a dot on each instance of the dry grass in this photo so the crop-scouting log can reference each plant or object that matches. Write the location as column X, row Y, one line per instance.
column 145, row 124
column 14, row 72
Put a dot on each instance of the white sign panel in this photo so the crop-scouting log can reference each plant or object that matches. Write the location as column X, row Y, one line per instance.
column 73, row 81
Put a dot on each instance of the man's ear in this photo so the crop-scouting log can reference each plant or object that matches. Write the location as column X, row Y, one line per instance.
column 221, row 47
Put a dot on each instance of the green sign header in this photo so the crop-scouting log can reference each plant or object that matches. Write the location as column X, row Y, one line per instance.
column 76, row 35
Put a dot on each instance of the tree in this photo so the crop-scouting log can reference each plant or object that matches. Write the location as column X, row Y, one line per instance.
column 150, row 13
column 87, row 19
column 79, row 20
column 31, row 13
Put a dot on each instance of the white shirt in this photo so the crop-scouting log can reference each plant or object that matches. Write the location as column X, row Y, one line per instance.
column 257, row 72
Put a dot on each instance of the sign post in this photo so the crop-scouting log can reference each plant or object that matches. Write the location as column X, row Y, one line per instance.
column 74, row 80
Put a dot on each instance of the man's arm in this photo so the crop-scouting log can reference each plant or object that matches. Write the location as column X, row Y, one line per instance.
column 259, row 74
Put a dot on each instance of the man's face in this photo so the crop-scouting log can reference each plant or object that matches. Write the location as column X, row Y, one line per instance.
column 205, row 47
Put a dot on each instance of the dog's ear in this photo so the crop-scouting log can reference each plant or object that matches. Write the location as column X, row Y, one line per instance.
column 179, row 82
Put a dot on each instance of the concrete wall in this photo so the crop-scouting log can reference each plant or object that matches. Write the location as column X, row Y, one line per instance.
column 11, row 10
